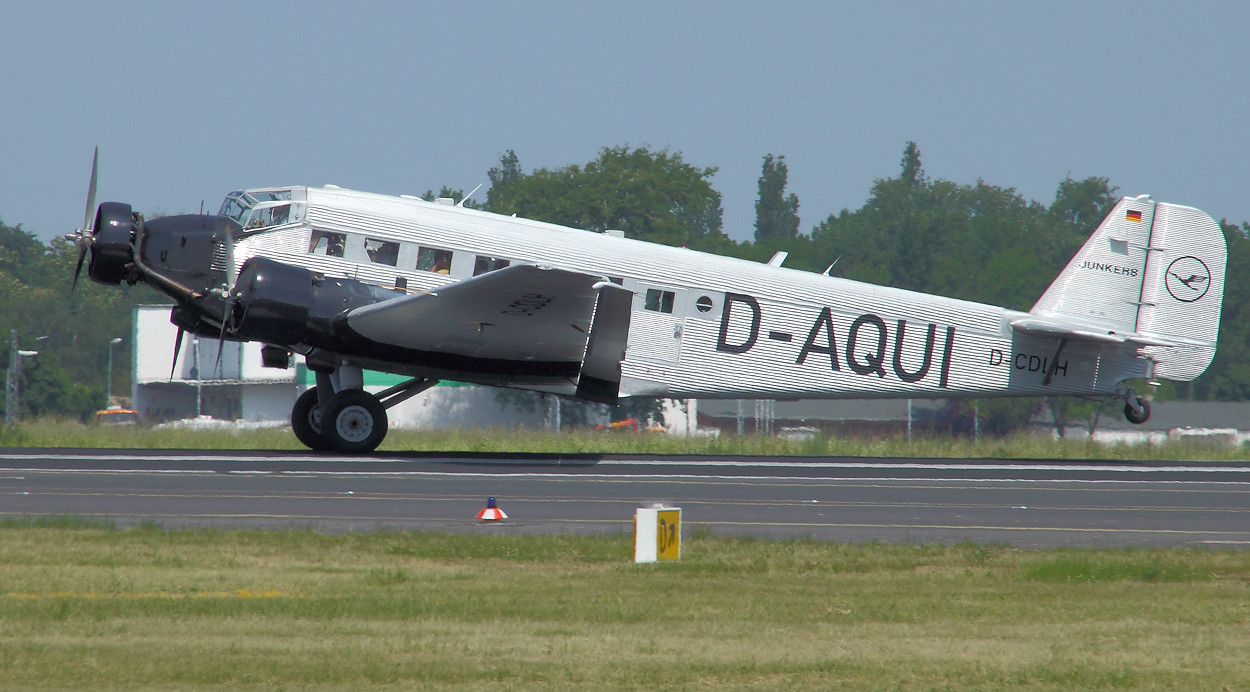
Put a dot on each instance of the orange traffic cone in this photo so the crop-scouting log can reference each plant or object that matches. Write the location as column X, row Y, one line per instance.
column 492, row 511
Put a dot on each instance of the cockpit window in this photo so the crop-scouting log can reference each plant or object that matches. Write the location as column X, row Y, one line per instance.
column 236, row 206
column 261, row 208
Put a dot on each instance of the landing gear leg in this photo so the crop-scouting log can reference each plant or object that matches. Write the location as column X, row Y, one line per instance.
column 339, row 415
column 1136, row 409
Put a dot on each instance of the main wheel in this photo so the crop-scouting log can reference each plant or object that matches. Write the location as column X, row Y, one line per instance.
column 1134, row 417
column 354, row 421
column 306, row 422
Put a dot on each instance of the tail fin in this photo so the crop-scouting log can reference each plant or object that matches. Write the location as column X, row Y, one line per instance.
column 1153, row 274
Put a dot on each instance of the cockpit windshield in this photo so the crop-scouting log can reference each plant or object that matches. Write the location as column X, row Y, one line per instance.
column 261, row 208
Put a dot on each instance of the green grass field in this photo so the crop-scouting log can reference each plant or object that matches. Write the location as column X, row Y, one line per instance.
column 87, row 606
column 62, row 433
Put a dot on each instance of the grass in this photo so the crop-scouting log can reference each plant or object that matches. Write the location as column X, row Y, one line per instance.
column 85, row 605
column 63, row 433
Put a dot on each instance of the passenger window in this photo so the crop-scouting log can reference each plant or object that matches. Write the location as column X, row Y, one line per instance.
column 328, row 244
column 659, row 301
column 488, row 264
column 434, row 260
column 382, row 251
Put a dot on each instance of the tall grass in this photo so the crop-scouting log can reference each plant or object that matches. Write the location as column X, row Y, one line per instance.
column 63, row 433
column 95, row 607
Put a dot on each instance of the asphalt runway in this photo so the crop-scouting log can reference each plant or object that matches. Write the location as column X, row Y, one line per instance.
column 1022, row 503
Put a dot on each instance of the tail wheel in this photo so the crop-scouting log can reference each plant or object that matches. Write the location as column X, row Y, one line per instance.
column 306, row 422
column 354, row 421
column 1137, row 417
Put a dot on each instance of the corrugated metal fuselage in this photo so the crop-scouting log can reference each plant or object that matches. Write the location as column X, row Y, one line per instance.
column 709, row 326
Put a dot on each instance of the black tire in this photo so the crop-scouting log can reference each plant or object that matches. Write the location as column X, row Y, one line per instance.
column 1137, row 418
column 306, row 422
column 354, row 422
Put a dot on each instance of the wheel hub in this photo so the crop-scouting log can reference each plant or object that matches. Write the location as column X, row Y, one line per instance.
column 354, row 424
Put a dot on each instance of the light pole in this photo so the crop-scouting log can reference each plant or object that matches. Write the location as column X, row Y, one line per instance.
column 109, row 387
column 11, row 382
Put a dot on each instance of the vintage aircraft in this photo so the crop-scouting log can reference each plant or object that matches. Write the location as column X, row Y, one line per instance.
column 432, row 290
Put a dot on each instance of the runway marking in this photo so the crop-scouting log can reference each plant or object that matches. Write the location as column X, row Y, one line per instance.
column 1195, row 467
column 814, row 503
column 630, row 478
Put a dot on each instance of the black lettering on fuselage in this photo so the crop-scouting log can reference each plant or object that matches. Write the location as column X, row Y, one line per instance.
column 872, row 359
column 898, row 354
column 830, row 347
column 1027, row 362
column 722, row 342
column 822, row 340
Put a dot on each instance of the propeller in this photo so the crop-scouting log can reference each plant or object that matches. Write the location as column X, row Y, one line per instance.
column 177, row 349
column 84, row 235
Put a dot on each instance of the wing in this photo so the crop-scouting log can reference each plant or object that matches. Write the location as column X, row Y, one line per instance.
column 523, row 319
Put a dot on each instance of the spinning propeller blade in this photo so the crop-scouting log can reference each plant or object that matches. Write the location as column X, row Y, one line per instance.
column 177, row 349
column 84, row 234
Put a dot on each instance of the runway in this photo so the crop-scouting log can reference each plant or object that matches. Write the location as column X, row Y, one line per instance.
column 1022, row 503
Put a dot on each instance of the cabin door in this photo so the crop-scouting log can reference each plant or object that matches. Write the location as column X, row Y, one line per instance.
column 659, row 318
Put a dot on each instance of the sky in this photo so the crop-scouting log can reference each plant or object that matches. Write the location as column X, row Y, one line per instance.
column 189, row 100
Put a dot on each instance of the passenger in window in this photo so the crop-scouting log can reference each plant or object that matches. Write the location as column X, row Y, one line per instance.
column 442, row 265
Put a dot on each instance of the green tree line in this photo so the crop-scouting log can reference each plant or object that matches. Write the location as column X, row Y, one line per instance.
column 976, row 241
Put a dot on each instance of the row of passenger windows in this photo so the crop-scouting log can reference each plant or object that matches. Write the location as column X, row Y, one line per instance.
column 438, row 260
column 428, row 259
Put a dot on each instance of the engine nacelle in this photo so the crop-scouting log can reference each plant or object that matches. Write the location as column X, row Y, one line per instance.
column 273, row 301
column 112, row 249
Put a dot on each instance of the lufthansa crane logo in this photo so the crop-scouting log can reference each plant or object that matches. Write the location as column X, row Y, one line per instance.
column 1188, row 279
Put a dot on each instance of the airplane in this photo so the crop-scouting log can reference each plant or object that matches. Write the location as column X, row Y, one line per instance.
column 433, row 291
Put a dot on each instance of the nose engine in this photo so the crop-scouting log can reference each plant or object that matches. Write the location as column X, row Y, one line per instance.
column 111, row 242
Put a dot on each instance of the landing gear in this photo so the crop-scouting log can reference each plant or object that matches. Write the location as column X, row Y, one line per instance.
column 339, row 415
column 354, row 421
column 1136, row 409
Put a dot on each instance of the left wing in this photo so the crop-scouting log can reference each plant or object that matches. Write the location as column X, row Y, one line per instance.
column 517, row 319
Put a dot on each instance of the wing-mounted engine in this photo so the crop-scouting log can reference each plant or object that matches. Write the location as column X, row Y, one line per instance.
column 283, row 304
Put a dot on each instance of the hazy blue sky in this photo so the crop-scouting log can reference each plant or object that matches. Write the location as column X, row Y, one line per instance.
column 188, row 101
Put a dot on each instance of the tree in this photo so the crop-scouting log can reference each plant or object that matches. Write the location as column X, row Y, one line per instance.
column 651, row 195
column 912, row 173
column 508, row 171
column 776, row 214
